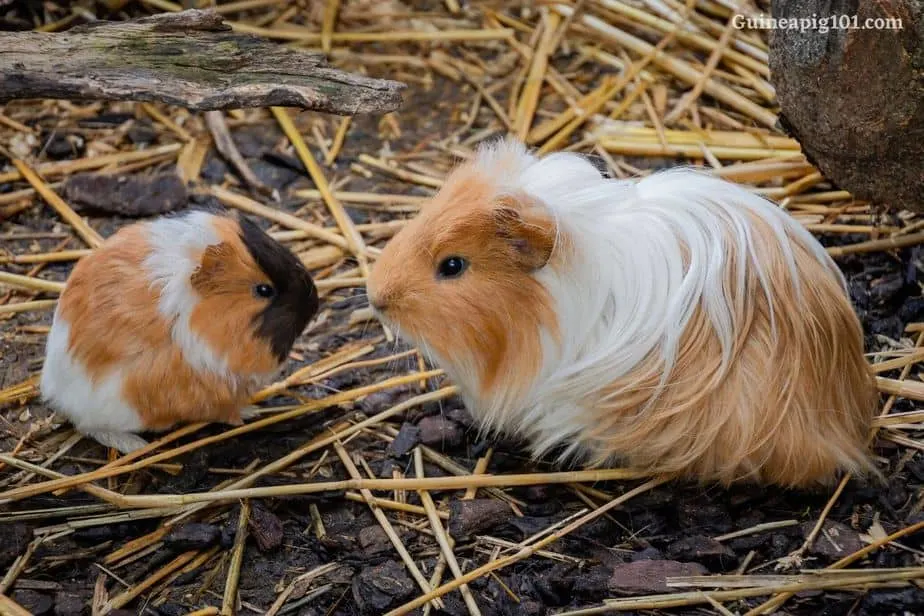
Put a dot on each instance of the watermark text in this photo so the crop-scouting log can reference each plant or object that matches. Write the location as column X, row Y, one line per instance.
column 822, row 25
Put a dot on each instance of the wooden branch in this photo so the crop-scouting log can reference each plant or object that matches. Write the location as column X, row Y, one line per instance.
column 191, row 59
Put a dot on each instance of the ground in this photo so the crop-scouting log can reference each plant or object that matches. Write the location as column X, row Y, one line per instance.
column 329, row 552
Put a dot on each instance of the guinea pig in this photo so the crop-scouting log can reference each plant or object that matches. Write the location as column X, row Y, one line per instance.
column 679, row 324
column 173, row 320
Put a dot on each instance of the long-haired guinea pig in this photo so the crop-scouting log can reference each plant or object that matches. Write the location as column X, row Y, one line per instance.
column 680, row 324
column 173, row 320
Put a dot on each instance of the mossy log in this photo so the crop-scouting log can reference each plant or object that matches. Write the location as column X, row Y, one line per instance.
column 191, row 58
column 854, row 97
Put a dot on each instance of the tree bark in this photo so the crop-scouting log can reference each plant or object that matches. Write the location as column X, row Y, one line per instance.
column 854, row 98
column 191, row 59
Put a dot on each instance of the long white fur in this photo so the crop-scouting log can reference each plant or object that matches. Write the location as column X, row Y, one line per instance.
column 627, row 291
column 176, row 245
column 96, row 409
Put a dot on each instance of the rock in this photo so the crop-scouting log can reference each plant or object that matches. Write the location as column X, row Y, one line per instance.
column 193, row 536
column 454, row 605
column 555, row 586
column 780, row 544
column 61, row 146
column 127, row 195
column 377, row 589
column 172, row 609
column 907, row 601
column 470, row 517
column 14, row 539
column 35, row 603
column 461, row 416
column 339, row 542
column 284, row 160
column 700, row 548
column 438, row 431
column 699, row 516
column 644, row 577
column 70, row 604
column 378, row 401
column 591, row 583
column 852, row 96
column 142, row 132
column 112, row 532
column 253, row 140
column 373, row 540
column 541, row 501
column 835, row 541
column 214, row 169
column 272, row 175
column 408, row 437
column 266, row 528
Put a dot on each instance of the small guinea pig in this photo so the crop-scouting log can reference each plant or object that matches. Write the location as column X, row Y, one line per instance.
column 680, row 325
column 174, row 320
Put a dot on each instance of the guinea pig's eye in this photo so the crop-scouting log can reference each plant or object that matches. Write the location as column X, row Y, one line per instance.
column 452, row 267
column 264, row 290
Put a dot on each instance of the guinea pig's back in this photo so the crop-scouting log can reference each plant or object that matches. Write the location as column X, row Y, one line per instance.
column 800, row 368
column 768, row 379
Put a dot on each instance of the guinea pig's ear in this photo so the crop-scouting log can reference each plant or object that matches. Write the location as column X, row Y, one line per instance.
column 214, row 259
column 531, row 236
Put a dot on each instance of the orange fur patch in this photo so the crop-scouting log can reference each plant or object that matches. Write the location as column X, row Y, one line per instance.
column 793, row 408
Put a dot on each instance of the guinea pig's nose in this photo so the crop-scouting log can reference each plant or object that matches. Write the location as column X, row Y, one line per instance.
column 378, row 304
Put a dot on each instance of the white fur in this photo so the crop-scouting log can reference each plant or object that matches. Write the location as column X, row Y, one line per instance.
column 627, row 290
column 96, row 409
column 176, row 246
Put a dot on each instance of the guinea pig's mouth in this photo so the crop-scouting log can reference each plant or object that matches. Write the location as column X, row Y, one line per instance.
column 381, row 315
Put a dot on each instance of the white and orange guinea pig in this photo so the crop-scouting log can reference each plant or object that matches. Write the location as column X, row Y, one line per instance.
column 680, row 325
column 172, row 321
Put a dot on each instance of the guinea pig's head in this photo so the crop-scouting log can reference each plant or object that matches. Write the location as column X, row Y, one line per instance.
column 462, row 279
column 254, row 297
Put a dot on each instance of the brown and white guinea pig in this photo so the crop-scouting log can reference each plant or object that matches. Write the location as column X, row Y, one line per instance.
column 173, row 320
column 680, row 324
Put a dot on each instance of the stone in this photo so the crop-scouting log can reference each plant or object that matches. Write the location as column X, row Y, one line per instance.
column 193, row 536
column 377, row 589
column 438, row 431
column 644, row 577
column 471, row 517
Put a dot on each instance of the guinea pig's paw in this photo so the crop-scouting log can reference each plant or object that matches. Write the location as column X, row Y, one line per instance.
column 124, row 442
column 250, row 412
column 244, row 415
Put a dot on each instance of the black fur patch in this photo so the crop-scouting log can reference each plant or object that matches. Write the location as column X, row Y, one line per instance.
column 296, row 300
